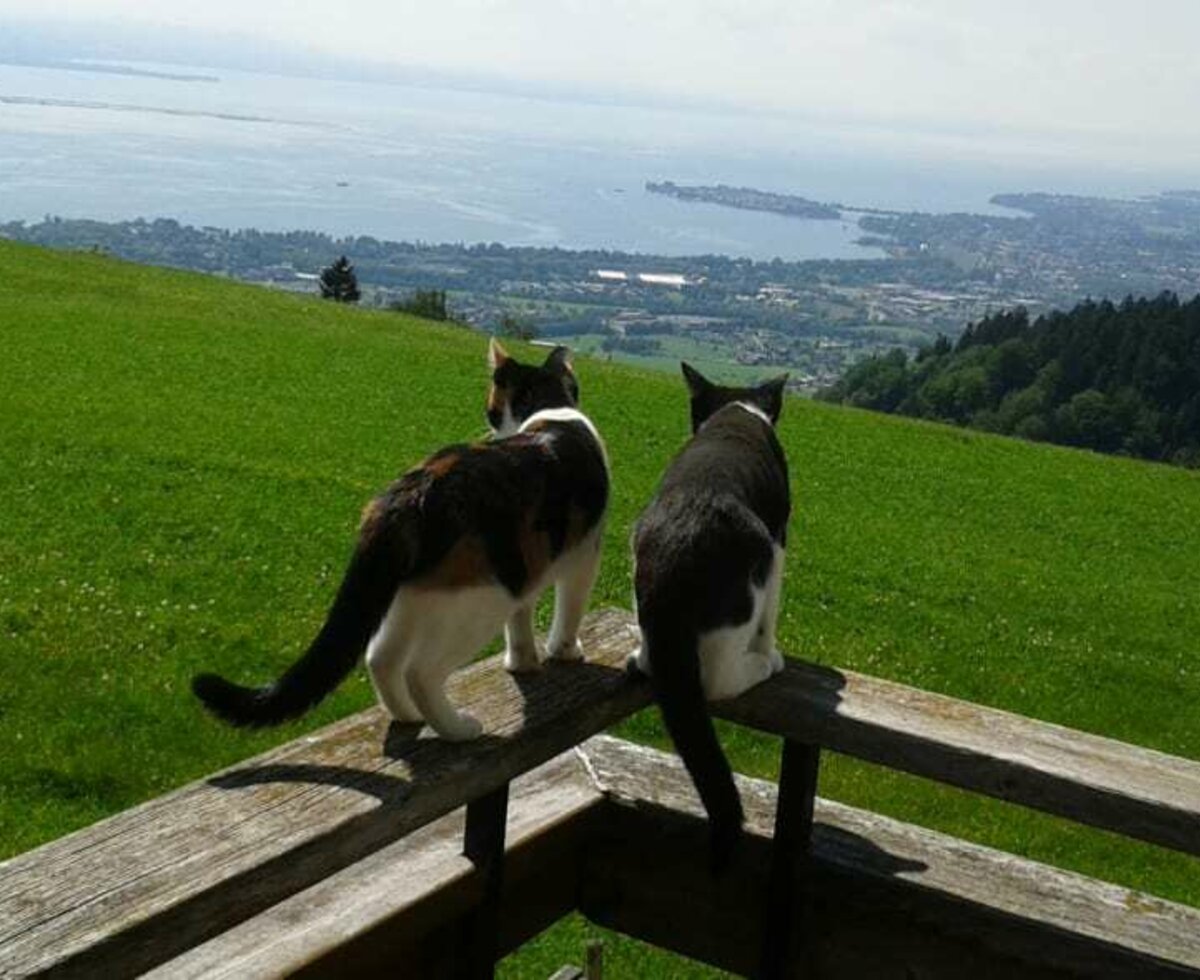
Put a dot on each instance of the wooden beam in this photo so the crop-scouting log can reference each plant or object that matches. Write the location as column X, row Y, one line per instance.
column 483, row 846
column 887, row 898
column 132, row 891
column 135, row 890
column 789, row 892
column 1098, row 781
column 890, row 899
column 395, row 913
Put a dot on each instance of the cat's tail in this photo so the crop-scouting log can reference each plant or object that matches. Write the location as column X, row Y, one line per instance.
column 377, row 567
column 675, row 676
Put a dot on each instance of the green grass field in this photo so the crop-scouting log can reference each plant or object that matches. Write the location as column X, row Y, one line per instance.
column 183, row 461
column 712, row 359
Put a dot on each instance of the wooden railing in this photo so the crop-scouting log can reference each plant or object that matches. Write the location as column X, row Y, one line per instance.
column 347, row 852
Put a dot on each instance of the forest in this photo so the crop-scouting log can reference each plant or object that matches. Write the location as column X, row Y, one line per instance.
column 1116, row 378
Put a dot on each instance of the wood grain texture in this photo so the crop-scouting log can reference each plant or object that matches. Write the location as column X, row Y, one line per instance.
column 132, row 891
column 373, row 915
column 891, row 900
column 1098, row 781
column 789, row 898
column 144, row 886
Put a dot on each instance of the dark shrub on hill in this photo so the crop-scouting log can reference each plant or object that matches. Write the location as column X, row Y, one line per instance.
column 1113, row 378
column 339, row 283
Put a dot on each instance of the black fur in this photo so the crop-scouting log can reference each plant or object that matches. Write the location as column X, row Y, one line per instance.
column 488, row 489
column 485, row 491
column 709, row 533
column 532, row 388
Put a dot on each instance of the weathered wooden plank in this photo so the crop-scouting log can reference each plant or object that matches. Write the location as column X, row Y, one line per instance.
column 889, row 897
column 134, row 890
column 1133, row 791
column 143, row 886
column 891, row 900
column 372, row 918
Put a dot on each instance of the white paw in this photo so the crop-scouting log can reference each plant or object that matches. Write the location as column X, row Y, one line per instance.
column 463, row 728
column 638, row 663
column 775, row 658
column 569, row 650
column 521, row 660
column 404, row 713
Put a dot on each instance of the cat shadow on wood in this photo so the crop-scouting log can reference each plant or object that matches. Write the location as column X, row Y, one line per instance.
column 425, row 758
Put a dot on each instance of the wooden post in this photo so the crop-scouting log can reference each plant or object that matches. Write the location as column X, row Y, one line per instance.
column 483, row 844
column 789, row 860
column 594, row 962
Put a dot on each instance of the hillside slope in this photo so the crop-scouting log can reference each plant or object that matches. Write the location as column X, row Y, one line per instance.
column 183, row 460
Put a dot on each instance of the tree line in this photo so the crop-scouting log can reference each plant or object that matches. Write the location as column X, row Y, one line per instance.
column 1116, row 378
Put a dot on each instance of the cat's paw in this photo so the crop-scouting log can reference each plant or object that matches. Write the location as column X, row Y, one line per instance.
column 566, row 650
column 462, row 728
column 404, row 713
column 775, row 659
column 522, row 660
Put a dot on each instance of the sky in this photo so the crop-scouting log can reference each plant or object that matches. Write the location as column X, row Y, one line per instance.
column 1110, row 75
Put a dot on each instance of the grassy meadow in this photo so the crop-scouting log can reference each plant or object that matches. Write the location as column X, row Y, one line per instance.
column 711, row 359
column 183, row 461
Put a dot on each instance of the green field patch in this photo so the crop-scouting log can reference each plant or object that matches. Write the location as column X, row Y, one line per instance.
column 714, row 359
column 183, row 461
column 891, row 333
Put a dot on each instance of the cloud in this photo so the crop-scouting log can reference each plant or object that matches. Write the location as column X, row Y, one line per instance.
column 1100, row 71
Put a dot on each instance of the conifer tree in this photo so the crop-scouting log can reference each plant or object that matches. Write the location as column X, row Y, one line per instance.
column 339, row 283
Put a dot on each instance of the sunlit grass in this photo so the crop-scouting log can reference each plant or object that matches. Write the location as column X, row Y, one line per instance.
column 714, row 360
column 183, row 460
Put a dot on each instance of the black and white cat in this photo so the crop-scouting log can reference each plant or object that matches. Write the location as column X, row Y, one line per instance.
column 458, row 547
column 708, row 556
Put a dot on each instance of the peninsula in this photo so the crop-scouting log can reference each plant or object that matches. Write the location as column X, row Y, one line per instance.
column 748, row 199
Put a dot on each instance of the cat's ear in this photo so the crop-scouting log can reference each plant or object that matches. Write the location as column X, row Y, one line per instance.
column 497, row 355
column 769, row 396
column 559, row 361
column 697, row 383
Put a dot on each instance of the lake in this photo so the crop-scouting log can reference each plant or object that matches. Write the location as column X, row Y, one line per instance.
column 411, row 163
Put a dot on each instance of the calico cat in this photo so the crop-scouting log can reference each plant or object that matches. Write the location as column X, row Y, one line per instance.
column 459, row 546
column 708, row 555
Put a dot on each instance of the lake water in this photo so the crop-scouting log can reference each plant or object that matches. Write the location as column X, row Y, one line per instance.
column 409, row 163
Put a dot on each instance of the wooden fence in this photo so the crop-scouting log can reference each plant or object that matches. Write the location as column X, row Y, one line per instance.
column 369, row 849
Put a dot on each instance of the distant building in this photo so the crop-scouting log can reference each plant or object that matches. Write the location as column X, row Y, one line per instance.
column 674, row 280
column 664, row 279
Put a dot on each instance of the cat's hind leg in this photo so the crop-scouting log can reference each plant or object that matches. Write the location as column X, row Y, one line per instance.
column 729, row 662
column 520, row 649
column 764, row 636
column 455, row 628
column 638, row 662
column 427, row 682
column 387, row 653
column 725, row 668
column 571, row 593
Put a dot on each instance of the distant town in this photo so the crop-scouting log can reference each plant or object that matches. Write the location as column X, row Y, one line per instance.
column 737, row 317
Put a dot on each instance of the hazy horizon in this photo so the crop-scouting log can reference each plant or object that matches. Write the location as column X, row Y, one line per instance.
column 1080, row 85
